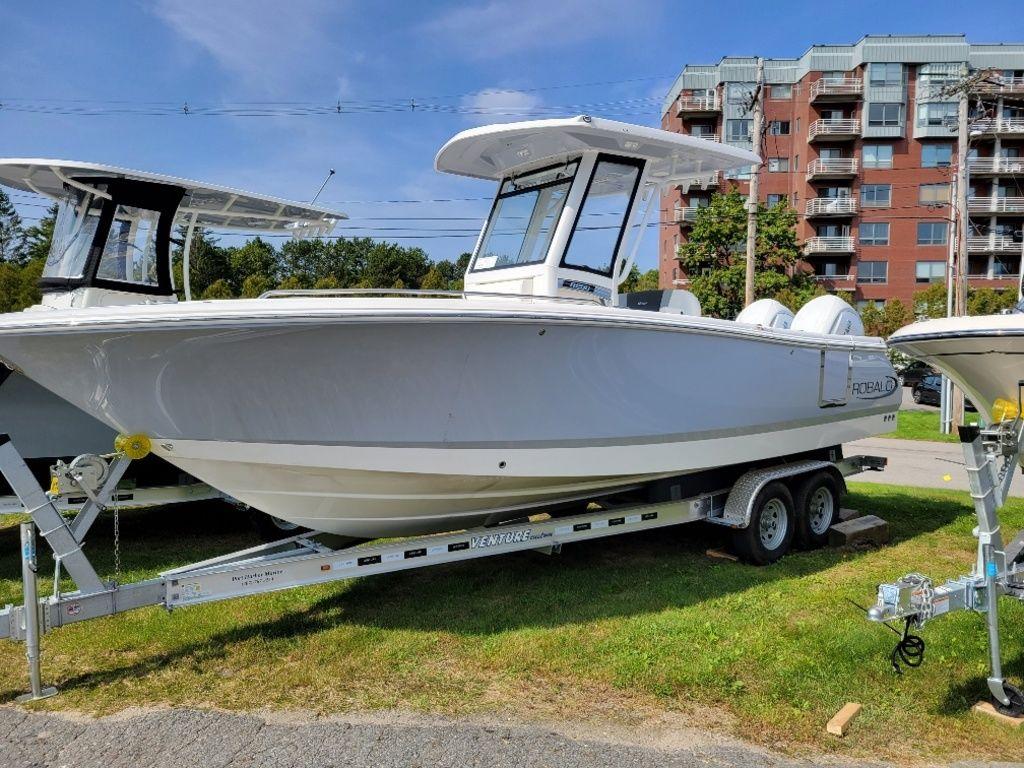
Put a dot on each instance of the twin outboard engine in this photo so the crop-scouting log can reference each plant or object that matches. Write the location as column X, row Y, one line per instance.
column 768, row 313
column 829, row 315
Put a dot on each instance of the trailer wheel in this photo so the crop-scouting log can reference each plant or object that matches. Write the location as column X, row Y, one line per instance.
column 817, row 509
column 770, row 532
column 1016, row 697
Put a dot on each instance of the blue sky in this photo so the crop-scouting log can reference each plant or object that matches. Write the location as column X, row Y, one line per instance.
column 604, row 57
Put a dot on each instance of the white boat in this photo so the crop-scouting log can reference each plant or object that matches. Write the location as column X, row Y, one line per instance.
column 412, row 412
column 983, row 355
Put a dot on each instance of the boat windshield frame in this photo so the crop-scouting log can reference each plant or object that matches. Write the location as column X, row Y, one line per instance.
column 562, row 174
column 113, row 194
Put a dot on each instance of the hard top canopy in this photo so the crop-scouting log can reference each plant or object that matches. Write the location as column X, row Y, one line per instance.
column 497, row 151
column 209, row 204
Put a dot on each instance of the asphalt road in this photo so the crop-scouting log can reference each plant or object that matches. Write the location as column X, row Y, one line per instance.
column 182, row 737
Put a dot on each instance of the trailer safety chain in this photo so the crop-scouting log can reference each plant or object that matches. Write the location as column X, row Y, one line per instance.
column 909, row 651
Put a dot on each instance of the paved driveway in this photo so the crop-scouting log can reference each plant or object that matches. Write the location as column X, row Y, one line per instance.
column 920, row 463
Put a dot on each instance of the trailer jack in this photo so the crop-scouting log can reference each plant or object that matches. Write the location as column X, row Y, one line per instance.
column 990, row 455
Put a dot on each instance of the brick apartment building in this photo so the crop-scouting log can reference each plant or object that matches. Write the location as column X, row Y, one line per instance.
column 861, row 140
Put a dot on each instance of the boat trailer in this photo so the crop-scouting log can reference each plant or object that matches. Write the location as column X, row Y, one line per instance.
column 316, row 558
column 990, row 457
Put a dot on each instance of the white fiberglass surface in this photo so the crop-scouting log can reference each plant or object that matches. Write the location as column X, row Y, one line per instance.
column 524, row 218
column 77, row 217
column 598, row 230
column 129, row 254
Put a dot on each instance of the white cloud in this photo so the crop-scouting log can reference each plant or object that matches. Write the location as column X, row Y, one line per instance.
column 263, row 42
column 501, row 28
column 500, row 106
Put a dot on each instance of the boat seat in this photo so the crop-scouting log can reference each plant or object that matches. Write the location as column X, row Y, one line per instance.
column 768, row 313
column 828, row 315
column 673, row 301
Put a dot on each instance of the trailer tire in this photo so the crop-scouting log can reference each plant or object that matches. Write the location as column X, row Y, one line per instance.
column 817, row 509
column 770, row 532
column 1016, row 697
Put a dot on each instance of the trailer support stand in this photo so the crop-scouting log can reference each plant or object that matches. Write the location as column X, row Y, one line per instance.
column 30, row 615
column 990, row 458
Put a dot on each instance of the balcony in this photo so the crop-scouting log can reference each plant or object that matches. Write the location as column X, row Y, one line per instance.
column 828, row 245
column 706, row 136
column 1001, row 126
column 995, row 166
column 1001, row 85
column 837, row 89
column 993, row 244
column 686, row 215
column 835, row 281
column 707, row 181
column 833, row 130
column 832, row 168
column 1000, row 205
column 830, row 206
column 697, row 106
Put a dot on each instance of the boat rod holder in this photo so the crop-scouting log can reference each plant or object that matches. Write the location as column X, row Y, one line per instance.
column 990, row 457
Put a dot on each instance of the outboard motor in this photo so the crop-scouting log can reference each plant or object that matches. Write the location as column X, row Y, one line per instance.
column 768, row 313
column 828, row 315
column 674, row 301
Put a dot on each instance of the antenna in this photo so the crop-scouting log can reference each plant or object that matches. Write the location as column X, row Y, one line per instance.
column 329, row 174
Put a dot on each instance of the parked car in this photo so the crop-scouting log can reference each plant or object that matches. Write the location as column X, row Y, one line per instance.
column 928, row 391
column 913, row 372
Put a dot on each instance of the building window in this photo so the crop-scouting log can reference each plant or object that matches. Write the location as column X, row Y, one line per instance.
column 931, row 233
column 774, row 199
column 936, row 113
column 936, row 155
column 885, row 74
column 878, row 155
column 778, row 128
column 738, row 130
column 934, row 77
column 740, row 93
column 781, row 91
column 702, row 129
column 872, row 271
column 930, row 271
column 876, row 195
column 874, row 233
column 933, row 194
column 778, row 164
column 885, row 115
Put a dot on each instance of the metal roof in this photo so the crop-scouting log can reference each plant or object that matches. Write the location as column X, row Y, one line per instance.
column 908, row 49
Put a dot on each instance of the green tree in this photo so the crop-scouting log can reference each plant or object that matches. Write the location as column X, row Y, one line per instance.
column 886, row 320
column 714, row 256
column 388, row 264
column 314, row 260
column 10, row 287
column 988, row 301
column 257, row 258
column 219, row 289
column 256, row 285
column 208, row 262
column 13, row 240
column 328, row 283
column 435, row 279
column 639, row 281
column 931, row 302
column 292, row 283
column 40, row 237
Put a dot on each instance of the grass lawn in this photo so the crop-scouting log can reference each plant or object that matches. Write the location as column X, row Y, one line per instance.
column 922, row 425
column 630, row 629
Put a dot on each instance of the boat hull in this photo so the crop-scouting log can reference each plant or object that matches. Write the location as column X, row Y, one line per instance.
column 983, row 355
column 390, row 425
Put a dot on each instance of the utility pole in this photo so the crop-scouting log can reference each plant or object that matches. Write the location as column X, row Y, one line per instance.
column 962, row 222
column 758, row 106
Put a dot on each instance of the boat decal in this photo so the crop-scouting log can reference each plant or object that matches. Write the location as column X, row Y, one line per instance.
column 502, row 538
column 875, row 389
